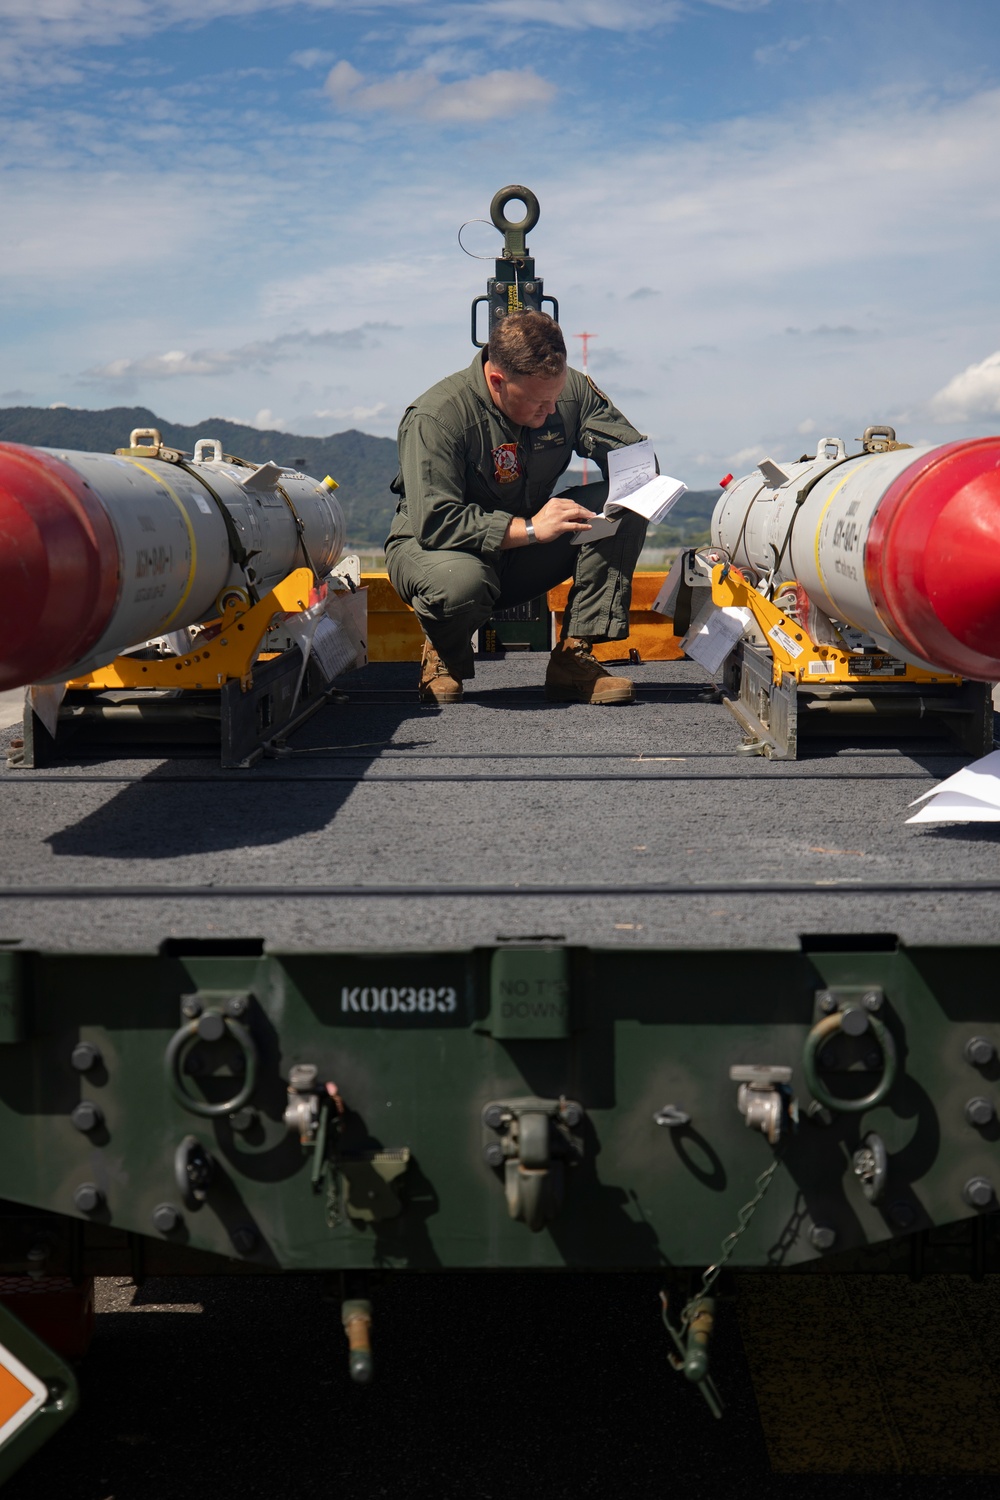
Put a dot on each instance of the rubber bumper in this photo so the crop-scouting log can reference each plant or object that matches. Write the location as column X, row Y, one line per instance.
column 59, row 570
column 932, row 558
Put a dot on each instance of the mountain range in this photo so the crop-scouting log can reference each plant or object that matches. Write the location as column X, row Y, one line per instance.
column 363, row 466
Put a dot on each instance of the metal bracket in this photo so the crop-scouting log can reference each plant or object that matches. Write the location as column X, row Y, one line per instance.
column 534, row 1140
column 369, row 1176
column 305, row 1095
column 764, row 1099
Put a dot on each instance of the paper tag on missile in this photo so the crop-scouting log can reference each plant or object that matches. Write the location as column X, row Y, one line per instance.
column 785, row 641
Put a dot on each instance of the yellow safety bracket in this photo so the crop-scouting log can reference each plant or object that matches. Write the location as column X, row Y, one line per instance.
column 793, row 651
column 226, row 651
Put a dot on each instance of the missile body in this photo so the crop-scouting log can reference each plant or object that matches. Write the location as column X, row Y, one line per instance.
column 903, row 545
column 99, row 553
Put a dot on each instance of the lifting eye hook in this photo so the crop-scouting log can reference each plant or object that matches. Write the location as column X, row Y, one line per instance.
column 816, row 1040
column 211, row 1026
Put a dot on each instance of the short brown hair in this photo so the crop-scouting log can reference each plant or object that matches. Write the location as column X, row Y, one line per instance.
column 527, row 343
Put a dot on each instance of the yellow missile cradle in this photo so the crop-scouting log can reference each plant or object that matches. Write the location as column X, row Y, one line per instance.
column 795, row 654
column 225, row 652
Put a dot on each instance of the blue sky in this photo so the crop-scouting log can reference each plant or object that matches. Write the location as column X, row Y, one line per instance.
column 779, row 217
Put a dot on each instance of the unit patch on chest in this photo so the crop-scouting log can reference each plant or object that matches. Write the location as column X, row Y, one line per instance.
column 506, row 464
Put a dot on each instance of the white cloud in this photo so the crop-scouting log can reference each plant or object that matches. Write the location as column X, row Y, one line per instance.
column 975, row 392
column 261, row 354
column 266, row 421
column 746, row 458
column 39, row 38
column 351, row 413
column 507, row 19
column 108, row 234
column 485, row 97
column 312, row 57
column 780, row 51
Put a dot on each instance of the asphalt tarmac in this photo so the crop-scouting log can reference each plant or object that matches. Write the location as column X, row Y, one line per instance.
column 505, row 815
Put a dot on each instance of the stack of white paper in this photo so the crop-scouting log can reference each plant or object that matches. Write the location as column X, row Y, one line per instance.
column 633, row 484
column 972, row 795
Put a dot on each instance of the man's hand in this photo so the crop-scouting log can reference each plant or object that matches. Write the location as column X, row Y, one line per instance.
column 557, row 517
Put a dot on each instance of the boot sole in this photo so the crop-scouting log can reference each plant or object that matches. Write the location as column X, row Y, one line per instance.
column 438, row 698
column 566, row 695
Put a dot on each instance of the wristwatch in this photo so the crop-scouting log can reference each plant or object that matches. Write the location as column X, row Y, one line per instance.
column 529, row 532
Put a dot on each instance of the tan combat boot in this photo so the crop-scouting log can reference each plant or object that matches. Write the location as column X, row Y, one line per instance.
column 437, row 685
column 574, row 676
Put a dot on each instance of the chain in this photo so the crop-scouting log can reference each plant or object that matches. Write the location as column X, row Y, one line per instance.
column 746, row 1213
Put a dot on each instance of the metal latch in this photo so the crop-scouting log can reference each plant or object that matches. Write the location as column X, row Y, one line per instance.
column 763, row 1098
column 534, row 1140
column 305, row 1095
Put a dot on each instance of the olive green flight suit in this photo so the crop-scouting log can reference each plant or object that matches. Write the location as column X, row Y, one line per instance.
column 465, row 470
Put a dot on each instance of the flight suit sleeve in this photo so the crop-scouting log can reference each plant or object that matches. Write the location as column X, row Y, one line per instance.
column 601, row 427
column 432, row 464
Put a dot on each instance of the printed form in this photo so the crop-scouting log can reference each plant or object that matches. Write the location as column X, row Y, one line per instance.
column 633, row 484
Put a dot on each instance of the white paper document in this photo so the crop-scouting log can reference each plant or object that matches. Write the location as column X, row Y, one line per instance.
column 712, row 637
column 972, row 795
column 633, row 484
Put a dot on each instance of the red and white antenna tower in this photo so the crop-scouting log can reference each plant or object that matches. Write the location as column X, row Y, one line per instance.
column 584, row 340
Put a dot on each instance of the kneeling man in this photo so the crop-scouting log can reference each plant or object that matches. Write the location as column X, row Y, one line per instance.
column 477, row 528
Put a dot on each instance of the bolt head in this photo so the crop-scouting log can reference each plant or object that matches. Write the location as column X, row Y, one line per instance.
column 825, row 1001
column 166, row 1217
column 978, row 1192
column 87, row 1115
column 85, row 1056
column 87, row 1197
column 855, row 1021
column 245, row 1239
column 979, row 1050
column 872, row 1000
column 902, row 1215
column 211, row 1026
column 493, row 1154
column 572, row 1114
column 979, row 1111
column 819, row 1114
column 493, row 1116
column 822, row 1237
column 190, row 1007
column 236, row 1005
column 864, row 1162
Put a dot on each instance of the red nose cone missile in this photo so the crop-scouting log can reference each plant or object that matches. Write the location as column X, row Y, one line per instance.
column 932, row 559
column 58, row 566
